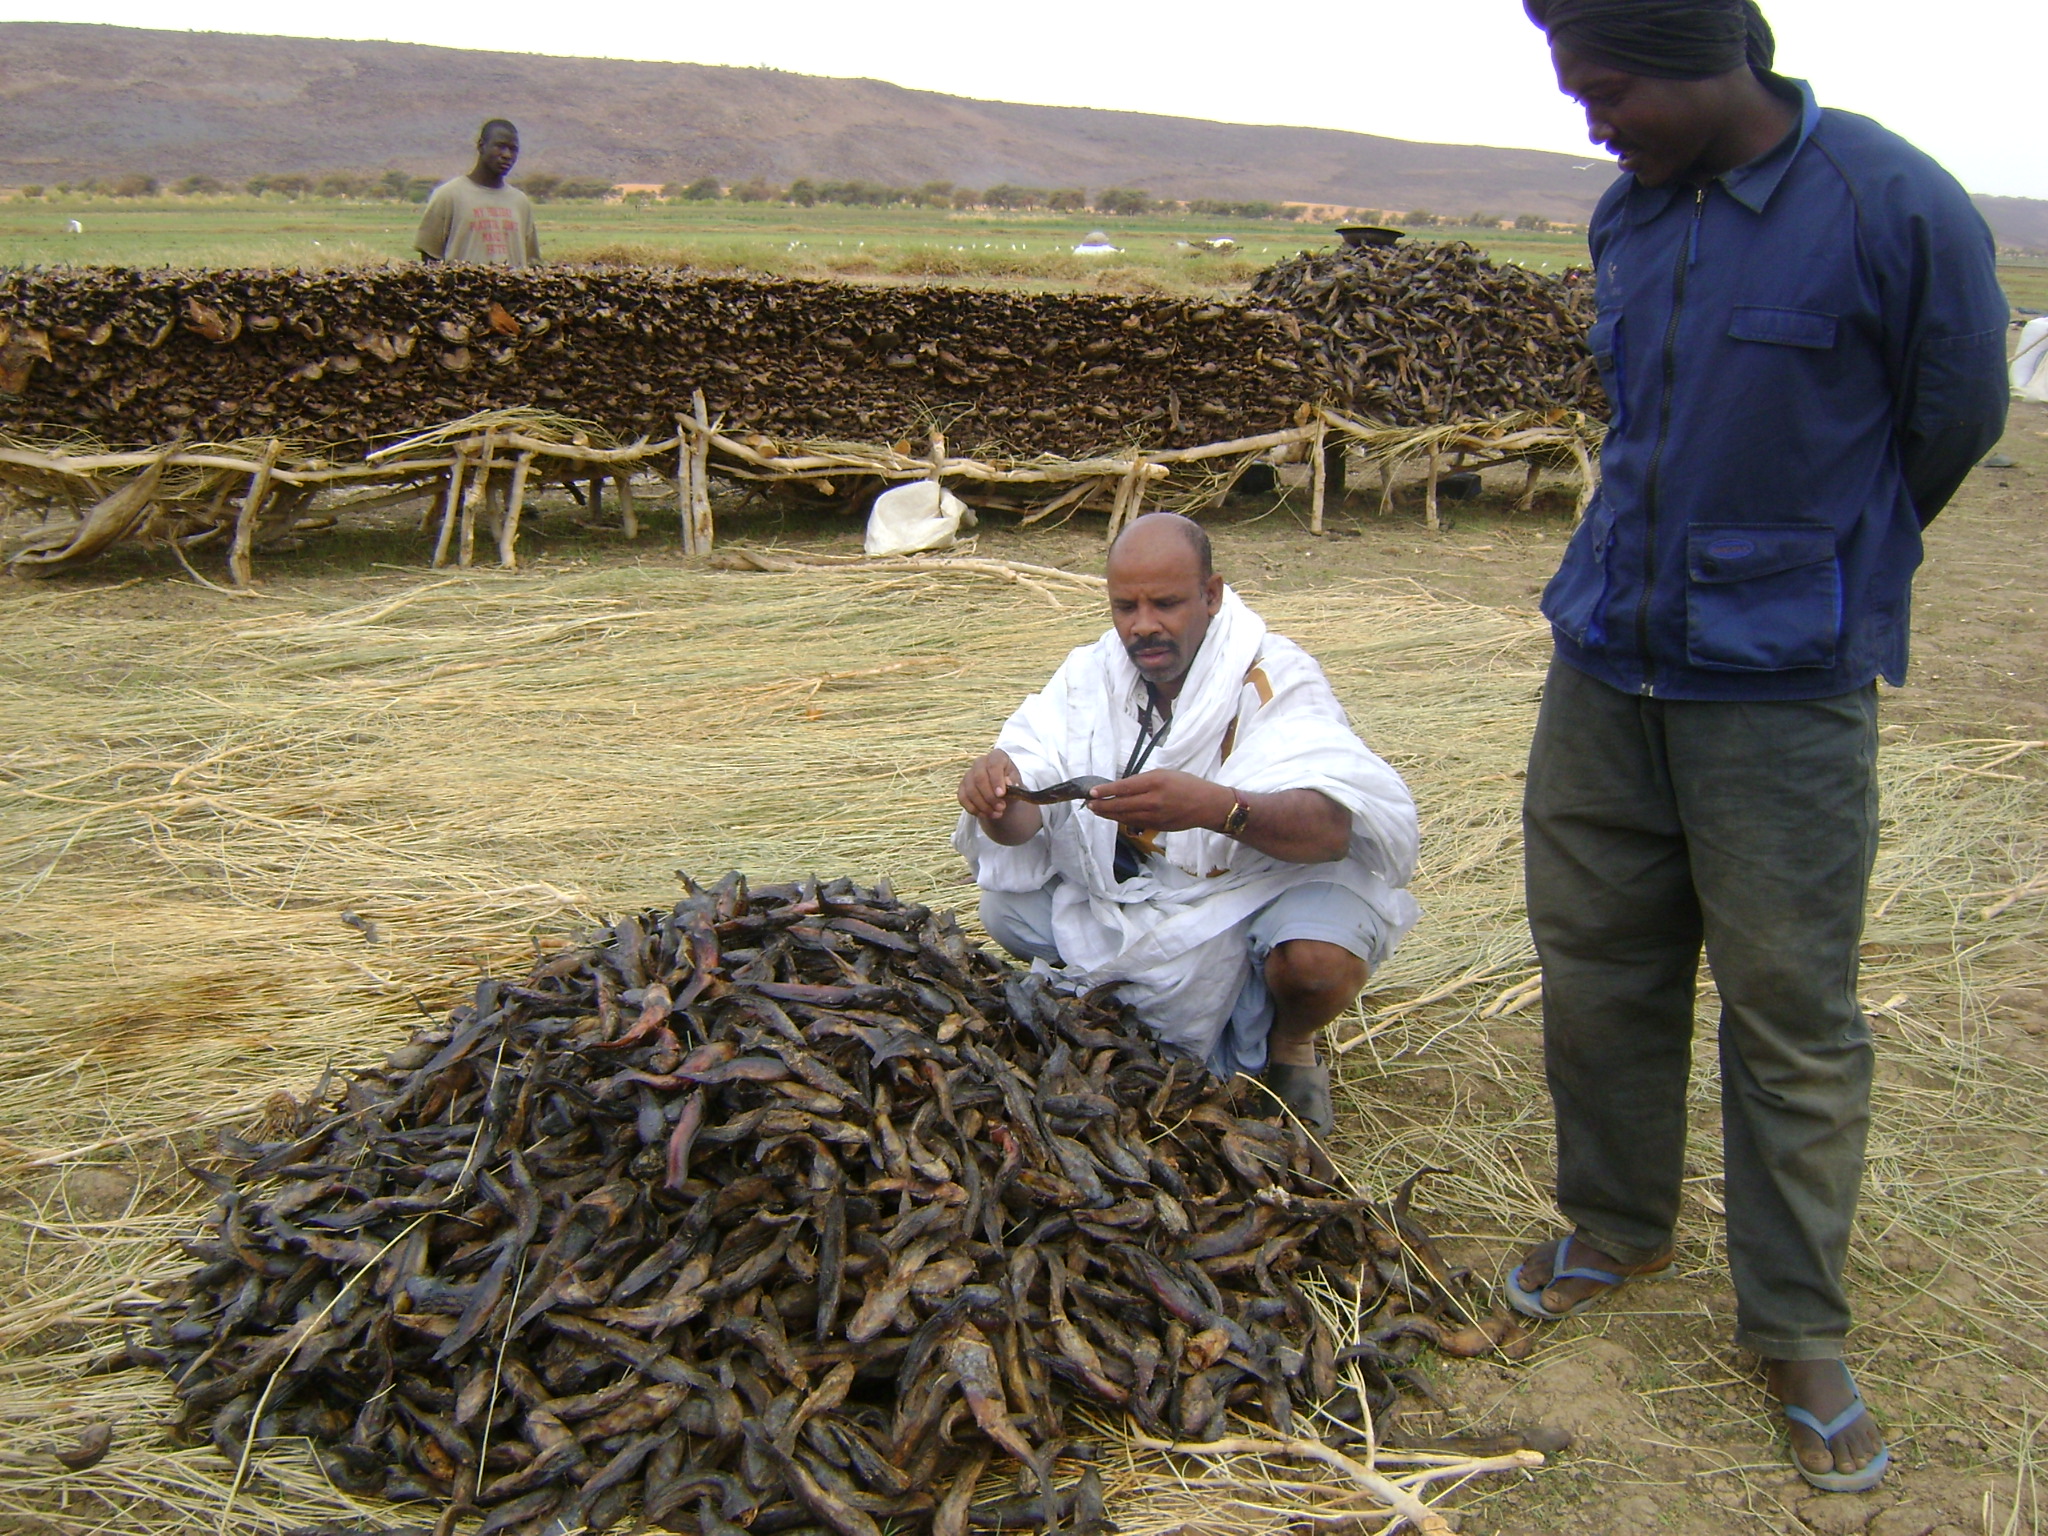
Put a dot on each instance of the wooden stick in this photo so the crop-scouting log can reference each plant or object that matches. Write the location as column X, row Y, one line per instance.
column 700, row 474
column 1318, row 480
column 515, row 502
column 938, row 457
column 1403, row 1503
column 629, row 514
column 1429, row 493
column 596, row 497
column 1527, row 499
column 1116, row 507
column 1066, row 498
column 479, row 490
column 1238, row 445
column 450, row 509
column 245, row 520
column 1386, row 486
column 1589, row 478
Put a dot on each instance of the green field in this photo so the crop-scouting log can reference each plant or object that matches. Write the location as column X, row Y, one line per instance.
column 1158, row 250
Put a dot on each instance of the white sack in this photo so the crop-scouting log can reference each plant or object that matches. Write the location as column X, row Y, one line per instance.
column 921, row 515
column 2030, row 364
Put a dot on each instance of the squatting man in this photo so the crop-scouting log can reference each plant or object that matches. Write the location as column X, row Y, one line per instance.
column 1238, row 869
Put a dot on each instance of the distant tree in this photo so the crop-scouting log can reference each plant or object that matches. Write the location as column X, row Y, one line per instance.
column 584, row 189
column 134, row 184
column 33, row 189
column 1419, row 218
column 966, row 197
column 541, row 186
column 705, row 189
column 803, row 192
column 392, row 184
column 1009, row 195
column 1067, row 200
column 1122, row 200
column 1531, row 221
column 420, row 188
column 754, row 190
column 342, row 184
column 198, row 186
column 284, row 186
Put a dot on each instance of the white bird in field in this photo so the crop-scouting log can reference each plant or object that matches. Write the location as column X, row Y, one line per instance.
column 73, row 227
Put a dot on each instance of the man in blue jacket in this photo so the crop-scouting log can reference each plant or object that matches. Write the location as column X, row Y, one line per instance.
column 1801, row 335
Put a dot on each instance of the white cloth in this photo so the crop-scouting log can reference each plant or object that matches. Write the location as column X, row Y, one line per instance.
column 2030, row 362
column 1173, row 936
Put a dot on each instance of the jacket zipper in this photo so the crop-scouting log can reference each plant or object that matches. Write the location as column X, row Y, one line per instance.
column 1688, row 253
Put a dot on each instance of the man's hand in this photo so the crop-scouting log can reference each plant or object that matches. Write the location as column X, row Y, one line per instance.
column 984, row 795
column 1164, row 800
column 1300, row 826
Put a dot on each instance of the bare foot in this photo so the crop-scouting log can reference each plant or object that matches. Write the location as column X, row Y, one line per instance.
column 1822, row 1388
column 1539, row 1263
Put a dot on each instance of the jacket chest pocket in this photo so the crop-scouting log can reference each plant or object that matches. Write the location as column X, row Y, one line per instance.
column 1603, row 340
column 1808, row 328
column 1762, row 597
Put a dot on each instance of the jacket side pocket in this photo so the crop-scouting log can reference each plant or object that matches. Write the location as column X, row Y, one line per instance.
column 1762, row 597
column 1575, row 601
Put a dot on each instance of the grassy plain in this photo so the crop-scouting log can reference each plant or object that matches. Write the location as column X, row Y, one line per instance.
column 903, row 243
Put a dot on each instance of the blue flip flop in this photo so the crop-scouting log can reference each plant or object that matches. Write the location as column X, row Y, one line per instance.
column 1530, row 1303
column 1839, row 1482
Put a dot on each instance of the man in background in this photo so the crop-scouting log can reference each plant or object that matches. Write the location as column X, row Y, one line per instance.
column 476, row 217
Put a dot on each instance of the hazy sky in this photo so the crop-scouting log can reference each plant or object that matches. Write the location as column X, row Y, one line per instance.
column 1966, row 79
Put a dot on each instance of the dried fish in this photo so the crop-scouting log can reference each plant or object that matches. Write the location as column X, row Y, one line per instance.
column 713, row 1218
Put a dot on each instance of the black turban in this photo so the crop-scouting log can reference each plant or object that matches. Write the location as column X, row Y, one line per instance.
column 1667, row 39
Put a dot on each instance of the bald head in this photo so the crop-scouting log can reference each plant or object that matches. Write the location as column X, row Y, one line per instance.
column 1161, row 530
column 1163, row 591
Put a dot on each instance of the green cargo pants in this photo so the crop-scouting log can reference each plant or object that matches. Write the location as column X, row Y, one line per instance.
column 1653, row 826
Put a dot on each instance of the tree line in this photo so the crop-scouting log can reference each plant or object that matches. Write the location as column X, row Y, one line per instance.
column 804, row 192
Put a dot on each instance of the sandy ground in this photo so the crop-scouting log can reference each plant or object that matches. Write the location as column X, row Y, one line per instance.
column 1670, row 1433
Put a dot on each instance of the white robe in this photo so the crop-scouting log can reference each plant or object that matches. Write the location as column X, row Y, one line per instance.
column 1175, row 935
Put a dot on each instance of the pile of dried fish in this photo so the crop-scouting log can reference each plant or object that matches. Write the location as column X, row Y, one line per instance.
column 133, row 355
column 785, row 1209
column 1425, row 333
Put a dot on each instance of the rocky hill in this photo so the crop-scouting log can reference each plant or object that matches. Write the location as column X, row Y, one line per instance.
column 79, row 102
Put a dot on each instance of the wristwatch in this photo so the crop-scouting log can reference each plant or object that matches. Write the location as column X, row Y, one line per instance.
column 1239, row 818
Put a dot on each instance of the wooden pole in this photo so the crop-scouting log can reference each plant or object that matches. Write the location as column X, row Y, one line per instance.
column 450, row 508
column 479, row 491
column 1527, row 499
column 700, row 474
column 938, row 457
column 629, row 514
column 245, row 519
column 1318, row 478
column 1386, row 486
column 685, row 453
column 1429, row 492
column 515, row 501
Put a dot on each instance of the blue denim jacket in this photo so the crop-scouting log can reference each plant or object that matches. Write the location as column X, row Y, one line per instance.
column 1804, row 359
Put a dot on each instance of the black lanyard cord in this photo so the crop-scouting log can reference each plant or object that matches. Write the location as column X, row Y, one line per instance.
column 1148, row 737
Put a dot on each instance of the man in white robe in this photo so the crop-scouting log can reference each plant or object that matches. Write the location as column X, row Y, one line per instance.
column 1240, row 870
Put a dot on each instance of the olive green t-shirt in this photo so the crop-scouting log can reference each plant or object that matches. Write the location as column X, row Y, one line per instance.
column 466, row 222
